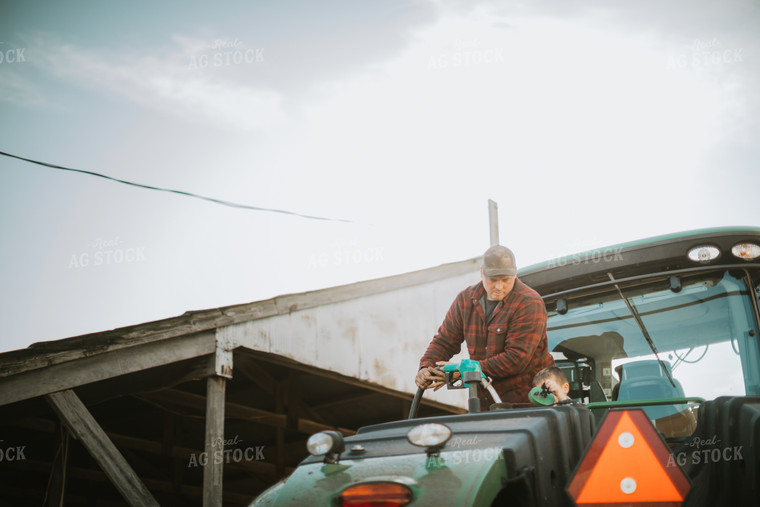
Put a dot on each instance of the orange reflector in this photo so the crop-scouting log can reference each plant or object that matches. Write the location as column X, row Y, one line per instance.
column 376, row 494
column 627, row 463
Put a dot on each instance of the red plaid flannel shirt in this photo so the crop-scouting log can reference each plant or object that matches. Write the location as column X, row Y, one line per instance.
column 511, row 347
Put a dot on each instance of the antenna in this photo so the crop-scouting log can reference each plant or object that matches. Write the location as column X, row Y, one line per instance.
column 493, row 221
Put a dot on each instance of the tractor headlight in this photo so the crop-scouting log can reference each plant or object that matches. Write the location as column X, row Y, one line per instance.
column 429, row 435
column 325, row 443
column 704, row 254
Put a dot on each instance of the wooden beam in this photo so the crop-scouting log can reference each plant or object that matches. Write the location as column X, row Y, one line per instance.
column 235, row 411
column 254, row 372
column 213, row 487
column 180, row 398
column 103, row 366
column 85, row 428
column 348, row 380
column 162, row 377
column 204, row 366
column 347, row 399
column 180, row 453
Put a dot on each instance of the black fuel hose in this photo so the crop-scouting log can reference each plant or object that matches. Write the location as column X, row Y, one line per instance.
column 415, row 403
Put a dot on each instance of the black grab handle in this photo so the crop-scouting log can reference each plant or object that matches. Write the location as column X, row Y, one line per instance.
column 415, row 403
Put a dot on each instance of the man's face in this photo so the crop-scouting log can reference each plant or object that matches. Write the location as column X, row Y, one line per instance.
column 497, row 287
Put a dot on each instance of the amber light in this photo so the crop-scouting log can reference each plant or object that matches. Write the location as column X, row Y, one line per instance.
column 746, row 251
column 377, row 494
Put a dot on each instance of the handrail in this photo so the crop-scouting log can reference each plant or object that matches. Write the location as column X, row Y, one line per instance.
column 645, row 403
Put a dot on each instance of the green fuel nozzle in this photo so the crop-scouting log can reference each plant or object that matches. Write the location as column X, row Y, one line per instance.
column 541, row 396
column 469, row 371
column 470, row 376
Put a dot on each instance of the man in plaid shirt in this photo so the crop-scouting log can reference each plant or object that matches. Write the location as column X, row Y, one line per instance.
column 503, row 322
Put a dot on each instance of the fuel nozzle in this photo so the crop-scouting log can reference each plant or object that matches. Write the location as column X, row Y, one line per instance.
column 453, row 376
column 541, row 396
column 467, row 375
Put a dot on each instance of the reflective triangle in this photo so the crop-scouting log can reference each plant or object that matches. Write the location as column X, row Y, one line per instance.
column 626, row 463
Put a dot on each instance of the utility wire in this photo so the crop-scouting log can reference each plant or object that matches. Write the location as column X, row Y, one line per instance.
column 189, row 194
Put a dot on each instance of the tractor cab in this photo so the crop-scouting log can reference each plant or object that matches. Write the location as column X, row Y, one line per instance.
column 663, row 331
column 664, row 342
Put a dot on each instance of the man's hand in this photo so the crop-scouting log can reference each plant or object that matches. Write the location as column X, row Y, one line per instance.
column 430, row 377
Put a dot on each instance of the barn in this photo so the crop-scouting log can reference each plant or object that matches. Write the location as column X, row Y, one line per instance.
column 213, row 406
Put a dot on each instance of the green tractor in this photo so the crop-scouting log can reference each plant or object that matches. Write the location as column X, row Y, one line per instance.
column 659, row 342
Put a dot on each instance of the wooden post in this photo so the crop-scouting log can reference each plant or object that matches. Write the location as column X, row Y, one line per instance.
column 213, row 485
column 214, row 448
column 493, row 221
column 57, row 484
column 280, row 403
column 86, row 429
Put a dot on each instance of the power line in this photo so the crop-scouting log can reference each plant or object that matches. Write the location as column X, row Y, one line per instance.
column 180, row 192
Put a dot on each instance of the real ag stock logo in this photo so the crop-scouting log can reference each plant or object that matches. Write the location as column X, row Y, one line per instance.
column 591, row 257
column 707, row 450
column 466, row 53
column 345, row 252
column 10, row 453
column 226, row 52
column 218, row 453
column 11, row 55
column 106, row 252
column 702, row 54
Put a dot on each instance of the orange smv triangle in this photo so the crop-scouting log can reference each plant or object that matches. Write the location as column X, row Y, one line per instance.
column 626, row 463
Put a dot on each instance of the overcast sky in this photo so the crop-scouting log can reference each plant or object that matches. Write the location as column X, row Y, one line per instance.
column 589, row 123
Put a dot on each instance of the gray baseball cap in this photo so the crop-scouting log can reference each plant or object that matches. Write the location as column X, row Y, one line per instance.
column 499, row 261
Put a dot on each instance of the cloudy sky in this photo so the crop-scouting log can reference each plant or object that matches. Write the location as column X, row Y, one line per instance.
column 589, row 123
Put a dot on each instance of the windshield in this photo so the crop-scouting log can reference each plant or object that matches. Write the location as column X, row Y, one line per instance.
column 703, row 331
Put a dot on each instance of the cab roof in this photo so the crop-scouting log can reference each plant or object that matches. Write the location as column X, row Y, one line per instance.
column 656, row 254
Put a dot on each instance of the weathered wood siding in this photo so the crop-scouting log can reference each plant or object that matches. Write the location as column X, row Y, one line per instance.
column 378, row 337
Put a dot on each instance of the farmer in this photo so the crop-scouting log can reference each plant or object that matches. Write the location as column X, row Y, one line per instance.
column 503, row 322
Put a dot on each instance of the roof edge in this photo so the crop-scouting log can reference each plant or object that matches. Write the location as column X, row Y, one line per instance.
column 46, row 353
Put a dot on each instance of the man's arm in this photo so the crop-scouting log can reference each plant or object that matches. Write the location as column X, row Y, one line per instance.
column 446, row 343
column 448, row 340
column 524, row 334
